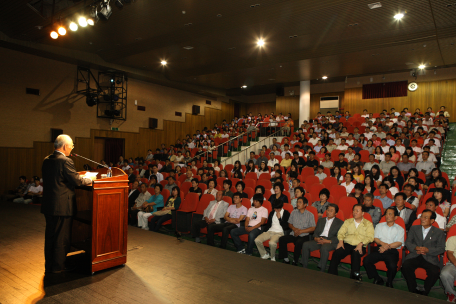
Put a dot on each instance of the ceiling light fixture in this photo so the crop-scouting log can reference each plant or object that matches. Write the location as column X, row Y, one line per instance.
column 260, row 42
column 398, row 16
column 244, row 87
column 54, row 35
column 73, row 26
column 163, row 62
column 93, row 16
column 421, row 66
column 105, row 11
column 82, row 21
column 62, row 31
column 324, row 77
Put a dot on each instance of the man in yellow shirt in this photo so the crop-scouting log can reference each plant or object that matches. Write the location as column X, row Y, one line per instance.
column 286, row 162
column 354, row 236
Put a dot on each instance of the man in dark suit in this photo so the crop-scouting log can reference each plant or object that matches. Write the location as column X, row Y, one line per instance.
column 325, row 238
column 425, row 242
column 58, row 203
column 131, row 176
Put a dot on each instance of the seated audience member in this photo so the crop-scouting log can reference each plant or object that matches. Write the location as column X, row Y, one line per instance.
column 286, row 162
column 227, row 188
column 386, row 201
column 195, row 187
column 153, row 171
column 368, row 166
column 405, row 166
column 396, row 177
column 369, row 184
column 389, row 238
column 278, row 194
column 172, row 203
column 442, row 203
column 171, row 184
column 368, row 207
column 358, row 194
column 155, row 201
column 212, row 216
column 348, row 183
column 407, row 214
column 258, row 190
column 336, row 173
column 327, row 163
column 125, row 166
column 323, row 203
column 262, row 158
column 425, row 165
column 325, row 237
column 211, row 188
column 298, row 192
column 33, row 193
column 389, row 182
column 189, row 175
column 387, row 164
column 320, row 174
column 448, row 273
column 432, row 204
column 132, row 196
column 312, row 162
column 425, row 243
column 21, row 190
column 131, row 176
column 240, row 186
column 275, row 228
column 411, row 199
column 341, row 163
column 441, row 184
column 298, row 161
column 233, row 217
column 302, row 223
column 167, row 167
column 205, row 179
column 272, row 160
column 256, row 217
column 354, row 236
column 357, row 173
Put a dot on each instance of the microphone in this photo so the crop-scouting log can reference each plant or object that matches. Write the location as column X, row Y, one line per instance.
column 74, row 154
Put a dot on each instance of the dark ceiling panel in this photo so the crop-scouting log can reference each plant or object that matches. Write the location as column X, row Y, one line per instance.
column 332, row 37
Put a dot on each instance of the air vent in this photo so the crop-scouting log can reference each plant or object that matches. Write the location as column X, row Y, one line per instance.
column 32, row 91
column 374, row 5
column 141, row 108
column 208, row 102
column 178, row 113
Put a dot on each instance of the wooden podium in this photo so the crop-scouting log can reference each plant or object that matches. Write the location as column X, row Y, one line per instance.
column 100, row 224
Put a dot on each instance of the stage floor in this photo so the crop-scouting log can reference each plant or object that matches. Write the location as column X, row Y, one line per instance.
column 161, row 269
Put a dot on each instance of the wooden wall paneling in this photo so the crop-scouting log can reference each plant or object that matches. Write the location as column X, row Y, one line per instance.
column 288, row 104
column 429, row 94
column 28, row 161
column 263, row 108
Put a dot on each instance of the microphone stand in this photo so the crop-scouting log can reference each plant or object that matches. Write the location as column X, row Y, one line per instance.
column 74, row 154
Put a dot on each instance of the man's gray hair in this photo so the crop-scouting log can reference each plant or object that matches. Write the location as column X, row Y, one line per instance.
column 61, row 140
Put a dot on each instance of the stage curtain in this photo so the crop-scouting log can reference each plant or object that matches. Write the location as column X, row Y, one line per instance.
column 385, row 90
column 114, row 147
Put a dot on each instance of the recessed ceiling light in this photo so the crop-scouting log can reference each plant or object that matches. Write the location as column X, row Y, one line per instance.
column 219, row 15
column 421, row 66
column 244, row 87
column 188, row 47
column 260, row 42
column 73, row 26
column 324, row 77
column 398, row 16
column 163, row 62
column 271, row 79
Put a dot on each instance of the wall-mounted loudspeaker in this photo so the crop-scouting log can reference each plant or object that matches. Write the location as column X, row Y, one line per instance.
column 153, row 122
column 55, row 133
column 195, row 110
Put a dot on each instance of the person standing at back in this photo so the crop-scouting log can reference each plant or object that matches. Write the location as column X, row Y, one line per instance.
column 59, row 203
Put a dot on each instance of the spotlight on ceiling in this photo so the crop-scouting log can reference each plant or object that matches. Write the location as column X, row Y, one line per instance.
column 92, row 100
column 260, row 42
column 163, row 62
column 73, row 26
column 54, row 35
column 93, row 16
column 119, row 3
column 62, row 31
column 421, row 66
column 398, row 16
column 244, row 87
column 324, row 77
column 105, row 11
column 82, row 21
